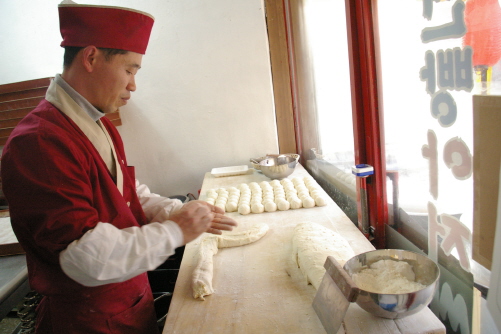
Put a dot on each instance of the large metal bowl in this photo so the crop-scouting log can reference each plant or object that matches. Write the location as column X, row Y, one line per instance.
column 394, row 306
column 255, row 161
column 278, row 167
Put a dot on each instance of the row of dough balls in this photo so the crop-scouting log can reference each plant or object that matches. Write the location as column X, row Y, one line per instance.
column 267, row 196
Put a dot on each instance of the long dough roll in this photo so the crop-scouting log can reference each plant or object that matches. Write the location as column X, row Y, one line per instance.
column 209, row 246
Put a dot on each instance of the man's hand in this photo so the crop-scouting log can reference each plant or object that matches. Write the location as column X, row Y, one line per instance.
column 197, row 217
column 221, row 223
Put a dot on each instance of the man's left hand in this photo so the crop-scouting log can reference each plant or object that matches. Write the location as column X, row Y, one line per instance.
column 221, row 223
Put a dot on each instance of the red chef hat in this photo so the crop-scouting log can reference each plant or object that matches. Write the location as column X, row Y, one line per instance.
column 105, row 27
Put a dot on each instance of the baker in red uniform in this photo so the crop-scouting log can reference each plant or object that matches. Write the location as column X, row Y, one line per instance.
column 89, row 229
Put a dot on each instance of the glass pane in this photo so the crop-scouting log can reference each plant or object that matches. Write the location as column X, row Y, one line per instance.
column 326, row 30
column 435, row 55
column 325, row 26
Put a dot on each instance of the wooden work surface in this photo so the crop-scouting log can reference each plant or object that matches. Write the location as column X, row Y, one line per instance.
column 258, row 290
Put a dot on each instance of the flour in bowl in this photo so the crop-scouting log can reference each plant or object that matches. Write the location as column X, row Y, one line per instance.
column 388, row 276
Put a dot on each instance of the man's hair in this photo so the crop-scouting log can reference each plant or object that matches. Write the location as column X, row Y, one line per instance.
column 70, row 53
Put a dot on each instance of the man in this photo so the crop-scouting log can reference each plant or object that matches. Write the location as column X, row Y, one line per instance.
column 90, row 231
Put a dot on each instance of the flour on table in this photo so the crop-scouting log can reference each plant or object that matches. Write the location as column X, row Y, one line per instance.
column 311, row 244
column 209, row 246
column 388, row 276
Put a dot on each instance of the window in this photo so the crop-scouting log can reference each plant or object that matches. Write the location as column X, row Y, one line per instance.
column 432, row 58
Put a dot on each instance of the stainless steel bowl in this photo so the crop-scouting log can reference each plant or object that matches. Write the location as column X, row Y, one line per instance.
column 279, row 166
column 394, row 306
column 255, row 161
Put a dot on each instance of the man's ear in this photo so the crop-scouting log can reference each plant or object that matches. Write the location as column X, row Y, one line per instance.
column 89, row 57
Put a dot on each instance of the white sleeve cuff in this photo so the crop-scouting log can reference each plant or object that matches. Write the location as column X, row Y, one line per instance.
column 155, row 207
column 107, row 254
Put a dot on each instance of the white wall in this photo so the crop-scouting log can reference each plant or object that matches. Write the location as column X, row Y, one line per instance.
column 204, row 96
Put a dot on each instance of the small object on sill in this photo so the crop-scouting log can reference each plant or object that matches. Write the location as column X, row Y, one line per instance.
column 362, row 170
column 229, row 171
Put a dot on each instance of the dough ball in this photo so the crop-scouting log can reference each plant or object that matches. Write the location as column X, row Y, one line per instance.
column 256, row 189
column 320, row 201
column 283, row 205
column 244, row 202
column 245, row 198
column 301, row 188
column 275, row 183
column 210, row 200
column 279, row 191
column 270, row 206
column 307, row 179
column 303, row 193
column 256, row 200
column 245, row 192
column 315, row 193
column 231, row 206
column 243, row 186
column 264, row 184
column 285, row 181
column 269, row 198
column 222, row 206
column 244, row 209
column 223, row 193
column 221, row 200
column 308, row 202
column 235, row 192
column 257, row 207
column 278, row 198
column 296, row 203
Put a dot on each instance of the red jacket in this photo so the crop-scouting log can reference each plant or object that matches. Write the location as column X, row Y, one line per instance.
column 58, row 187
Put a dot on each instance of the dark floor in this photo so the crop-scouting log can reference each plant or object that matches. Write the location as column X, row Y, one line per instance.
column 9, row 324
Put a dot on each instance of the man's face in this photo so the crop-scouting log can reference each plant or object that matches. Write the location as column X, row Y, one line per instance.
column 115, row 80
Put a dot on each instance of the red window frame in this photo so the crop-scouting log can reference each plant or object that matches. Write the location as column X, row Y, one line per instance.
column 368, row 126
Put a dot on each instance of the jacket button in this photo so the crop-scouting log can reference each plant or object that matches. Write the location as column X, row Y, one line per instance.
column 128, row 203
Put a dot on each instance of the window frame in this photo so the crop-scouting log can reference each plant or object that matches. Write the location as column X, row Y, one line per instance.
column 296, row 110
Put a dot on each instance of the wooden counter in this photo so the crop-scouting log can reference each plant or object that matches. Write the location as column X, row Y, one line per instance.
column 258, row 290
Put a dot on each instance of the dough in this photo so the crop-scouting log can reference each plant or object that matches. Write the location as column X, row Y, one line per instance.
column 320, row 201
column 283, row 204
column 270, row 207
column 388, row 277
column 311, row 244
column 209, row 246
column 211, row 193
column 296, row 203
column 268, row 198
column 244, row 209
column 308, row 202
column 231, row 206
column 257, row 207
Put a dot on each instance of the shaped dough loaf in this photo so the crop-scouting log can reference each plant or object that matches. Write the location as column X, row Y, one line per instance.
column 311, row 244
column 209, row 246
